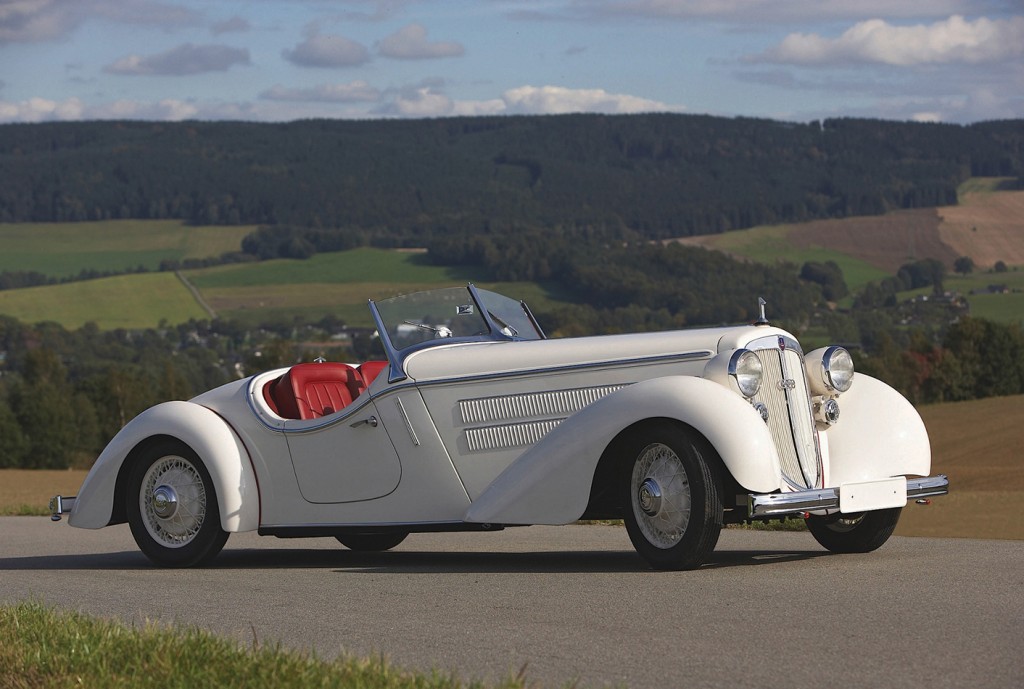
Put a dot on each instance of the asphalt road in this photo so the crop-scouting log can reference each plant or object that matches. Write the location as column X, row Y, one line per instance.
column 571, row 603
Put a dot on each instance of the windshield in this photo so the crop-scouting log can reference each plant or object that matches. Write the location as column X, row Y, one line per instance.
column 439, row 314
column 454, row 312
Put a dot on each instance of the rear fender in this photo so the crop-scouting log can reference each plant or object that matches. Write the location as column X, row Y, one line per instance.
column 550, row 483
column 220, row 449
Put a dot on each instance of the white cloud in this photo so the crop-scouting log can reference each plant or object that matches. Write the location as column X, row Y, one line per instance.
column 45, row 110
column 427, row 100
column 186, row 59
column 747, row 11
column 45, row 20
column 326, row 50
column 422, row 102
column 353, row 92
column 954, row 40
column 550, row 100
column 410, row 43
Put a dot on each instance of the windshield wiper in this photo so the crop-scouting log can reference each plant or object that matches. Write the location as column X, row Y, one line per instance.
column 506, row 329
column 438, row 330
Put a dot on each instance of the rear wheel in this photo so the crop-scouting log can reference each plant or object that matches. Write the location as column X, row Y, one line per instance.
column 673, row 510
column 172, row 507
column 854, row 533
column 371, row 542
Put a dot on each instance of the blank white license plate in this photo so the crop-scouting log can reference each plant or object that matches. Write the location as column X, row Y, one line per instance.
column 873, row 495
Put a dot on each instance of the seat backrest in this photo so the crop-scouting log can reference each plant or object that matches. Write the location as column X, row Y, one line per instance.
column 368, row 372
column 309, row 391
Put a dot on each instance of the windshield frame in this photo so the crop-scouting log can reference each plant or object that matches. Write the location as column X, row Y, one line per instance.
column 501, row 319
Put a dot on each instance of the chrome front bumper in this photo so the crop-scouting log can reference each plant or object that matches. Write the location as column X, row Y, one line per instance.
column 61, row 504
column 761, row 506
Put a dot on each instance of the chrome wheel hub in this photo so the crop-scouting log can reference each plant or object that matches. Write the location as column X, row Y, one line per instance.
column 660, row 495
column 649, row 497
column 165, row 502
column 172, row 501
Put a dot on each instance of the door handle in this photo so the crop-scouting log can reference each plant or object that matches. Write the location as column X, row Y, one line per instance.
column 372, row 421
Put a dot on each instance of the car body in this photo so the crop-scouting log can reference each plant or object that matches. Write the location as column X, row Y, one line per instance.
column 476, row 421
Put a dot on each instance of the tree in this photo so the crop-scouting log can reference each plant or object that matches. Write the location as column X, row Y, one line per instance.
column 43, row 404
column 12, row 439
column 963, row 265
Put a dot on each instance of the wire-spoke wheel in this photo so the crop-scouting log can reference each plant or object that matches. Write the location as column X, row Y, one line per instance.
column 854, row 533
column 172, row 508
column 673, row 510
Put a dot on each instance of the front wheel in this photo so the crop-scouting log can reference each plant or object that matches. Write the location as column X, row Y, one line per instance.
column 673, row 510
column 854, row 533
column 172, row 507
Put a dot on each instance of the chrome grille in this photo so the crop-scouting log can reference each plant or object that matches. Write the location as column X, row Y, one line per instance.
column 784, row 391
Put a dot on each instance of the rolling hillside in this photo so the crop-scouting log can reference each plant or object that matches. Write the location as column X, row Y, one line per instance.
column 866, row 248
column 987, row 226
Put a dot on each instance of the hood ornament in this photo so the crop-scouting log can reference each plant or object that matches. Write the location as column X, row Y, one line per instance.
column 761, row 319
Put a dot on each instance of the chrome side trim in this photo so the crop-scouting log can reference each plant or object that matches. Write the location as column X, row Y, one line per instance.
column 61, row 504
column 408, row 423
column 778, row 504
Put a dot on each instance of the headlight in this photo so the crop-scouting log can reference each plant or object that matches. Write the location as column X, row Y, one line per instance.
column 837, row 369
column 746, row 370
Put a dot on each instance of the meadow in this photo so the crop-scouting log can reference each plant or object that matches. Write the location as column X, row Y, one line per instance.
column 123, row 301
column 338, row 284
column 65, row 249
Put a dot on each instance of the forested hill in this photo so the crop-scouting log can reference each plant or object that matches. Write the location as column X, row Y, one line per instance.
column 657, row 175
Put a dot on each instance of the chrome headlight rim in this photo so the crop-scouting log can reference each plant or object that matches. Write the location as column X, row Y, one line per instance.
column 747, row 371
column 837, row 369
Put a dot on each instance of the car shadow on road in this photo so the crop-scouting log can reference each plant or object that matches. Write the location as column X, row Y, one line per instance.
column 128, row 559
column 476, row 562
column 410, row 561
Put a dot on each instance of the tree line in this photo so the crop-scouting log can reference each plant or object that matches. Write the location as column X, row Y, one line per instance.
column 406, row 182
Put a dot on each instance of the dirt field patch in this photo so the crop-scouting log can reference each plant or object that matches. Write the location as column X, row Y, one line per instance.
column 987, row 226
column 26, row 488
column 884, row 241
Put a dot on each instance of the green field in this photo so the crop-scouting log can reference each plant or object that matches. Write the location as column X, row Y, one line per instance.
column 124, row 301
column 339, row 284
column 770, row 243
column 986, row 185
column 1004, row 308
column 65, row 249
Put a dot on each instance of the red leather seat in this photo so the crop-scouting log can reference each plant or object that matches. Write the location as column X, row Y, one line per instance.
column 310, row 391
column 369, row 370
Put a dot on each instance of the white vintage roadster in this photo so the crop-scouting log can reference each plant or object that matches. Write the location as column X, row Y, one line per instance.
column 477, row 422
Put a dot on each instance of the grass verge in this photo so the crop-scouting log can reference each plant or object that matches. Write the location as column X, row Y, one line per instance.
column 42, row 648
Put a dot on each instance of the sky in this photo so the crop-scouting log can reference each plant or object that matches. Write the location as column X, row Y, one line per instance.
column 955, row 61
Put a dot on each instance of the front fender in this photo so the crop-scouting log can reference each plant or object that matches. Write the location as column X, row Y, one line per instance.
column 879, row 434
column 220, row 449
column 550, row 483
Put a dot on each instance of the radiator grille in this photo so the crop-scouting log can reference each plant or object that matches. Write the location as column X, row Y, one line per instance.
column 784, row 392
